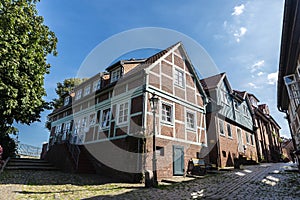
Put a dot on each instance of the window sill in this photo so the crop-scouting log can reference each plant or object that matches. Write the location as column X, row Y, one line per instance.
column 191, row 129
column 223, row 135
column 180, row 86
column 167, row 123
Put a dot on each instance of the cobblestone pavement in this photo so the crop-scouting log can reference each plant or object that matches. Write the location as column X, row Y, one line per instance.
column 265, row 181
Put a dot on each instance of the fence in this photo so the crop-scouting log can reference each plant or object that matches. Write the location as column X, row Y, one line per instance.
column 25, row 150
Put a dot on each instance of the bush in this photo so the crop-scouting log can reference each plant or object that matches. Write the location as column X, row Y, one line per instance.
column 8, row 146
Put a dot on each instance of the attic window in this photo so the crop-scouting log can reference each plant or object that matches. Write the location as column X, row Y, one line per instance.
column 115, row 75
column 67, row 100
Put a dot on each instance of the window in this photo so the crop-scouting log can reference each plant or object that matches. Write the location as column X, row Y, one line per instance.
column 229, row 133
column 67, row 127
column 105, row 118
column 77, row 126
column 115, row 75
column 190, row 120
column 84, row 122
column 221, row 127
column 96, row 85
column 92, row 119
column 123, row 113
column 236, row 105
column 58, row 129
column 67, row 100
column 166, row 113
column 179, row 78
column 87, row 90
column 245, row 108
column 252, row 139
column 78, row 94
column 247, row 138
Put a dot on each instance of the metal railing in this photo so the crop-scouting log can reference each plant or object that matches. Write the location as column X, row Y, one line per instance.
column 75, row 153
column 28, row 150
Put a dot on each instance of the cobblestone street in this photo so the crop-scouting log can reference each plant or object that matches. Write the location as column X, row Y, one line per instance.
column 265, row 181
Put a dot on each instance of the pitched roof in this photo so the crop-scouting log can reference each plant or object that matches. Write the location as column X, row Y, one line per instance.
column 241, row 93
column 155, row 57
column 212, row 81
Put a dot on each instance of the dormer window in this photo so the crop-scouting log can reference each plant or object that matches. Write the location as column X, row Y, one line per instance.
column 78, row 94
column 67, row 100
column 253, row 101
column 96, row 85
column 115, row 75
column 87, row 90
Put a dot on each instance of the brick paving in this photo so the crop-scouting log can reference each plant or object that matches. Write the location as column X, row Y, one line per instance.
column 265, row 181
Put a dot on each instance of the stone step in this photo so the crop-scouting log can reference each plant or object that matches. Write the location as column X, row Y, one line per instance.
column 29, row 164
column 27, row 160
column 30, row 168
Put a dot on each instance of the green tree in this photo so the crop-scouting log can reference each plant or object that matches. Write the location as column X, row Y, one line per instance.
column 25, row 43
column 64, row 88
column 8, row 145
column 61, row 90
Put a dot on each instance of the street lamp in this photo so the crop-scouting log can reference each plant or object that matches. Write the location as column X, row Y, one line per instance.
column 153, row 103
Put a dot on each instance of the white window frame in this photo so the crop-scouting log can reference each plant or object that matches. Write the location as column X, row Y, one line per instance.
column 92, row 119
column 125, row 114
column 163, row 120
column 116, row 75
column 87, row 90
column 96, row 85
column 67, row 100
column 221, row 122
column 78, row 94
column 107, row 118
column 187, row 120
column 229, row 130
column 247, row 138
column 179, row 77
column 58, row 129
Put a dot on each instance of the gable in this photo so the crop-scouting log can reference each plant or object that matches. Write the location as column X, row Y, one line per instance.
column 174, row 74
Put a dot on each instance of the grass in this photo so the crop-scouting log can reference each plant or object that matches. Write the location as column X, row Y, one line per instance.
column 57, row 185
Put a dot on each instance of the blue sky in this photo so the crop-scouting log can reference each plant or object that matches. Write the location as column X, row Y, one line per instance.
column 242, row 37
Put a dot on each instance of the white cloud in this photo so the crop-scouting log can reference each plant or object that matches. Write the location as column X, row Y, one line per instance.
column 240, row 33
column 272, row 78
column 260, row 73
column 238, row 10
column 253, row 85
column 257, row 66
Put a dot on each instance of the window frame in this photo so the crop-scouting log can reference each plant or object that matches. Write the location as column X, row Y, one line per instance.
column 163, row 115
column 96, row 85
column 177, row 81
column 221, row 122
column 127, row 115
column 119, row 75
column 247, row 138
column 101, row 118
column 67, row 100
column 229, row 130
column 194, row 120
column 78, row 94
column 87, row 90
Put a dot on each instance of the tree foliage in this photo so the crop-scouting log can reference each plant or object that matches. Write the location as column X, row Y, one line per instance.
column 8, row 145
column 62, row 89
column 25, row 43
